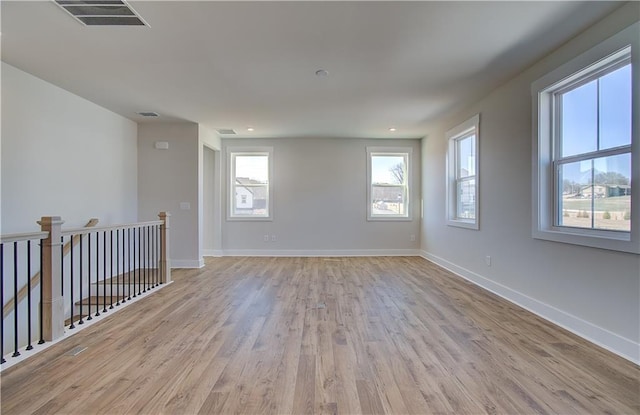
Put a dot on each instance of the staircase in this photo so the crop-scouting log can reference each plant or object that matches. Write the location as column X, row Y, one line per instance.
column 105, row 295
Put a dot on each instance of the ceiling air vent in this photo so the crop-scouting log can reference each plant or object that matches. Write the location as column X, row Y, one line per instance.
column 225, row 131
column 102, row 12
column 148, row 114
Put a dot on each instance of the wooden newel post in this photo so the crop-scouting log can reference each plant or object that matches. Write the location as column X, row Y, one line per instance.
column 52, row 301
column 165, row 262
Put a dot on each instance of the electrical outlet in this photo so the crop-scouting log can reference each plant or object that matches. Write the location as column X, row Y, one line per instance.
column 412, row 238
column 487, row 260
column 266, row 238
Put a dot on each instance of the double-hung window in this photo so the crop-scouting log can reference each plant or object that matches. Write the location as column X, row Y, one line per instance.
column 249, row 183
column 462, row 174
column 583, row 189
column 389, row 181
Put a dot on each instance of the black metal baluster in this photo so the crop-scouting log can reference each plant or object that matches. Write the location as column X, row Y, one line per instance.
column 153, row 255
column 29, row 346
column 135, row 264
column 41, row 295
column 104, row 271
column 97, row 274
column 157, row 253
column 71, row 326
column 118, row 267
column 129, row 264
column 150, row 256
column 139, row 258
column 161, row 263
column 145, row 250
column 89, row 276
column 2, row 302
column 81, row 269
column 16, row 353
column 62, row 266
column 111, row 269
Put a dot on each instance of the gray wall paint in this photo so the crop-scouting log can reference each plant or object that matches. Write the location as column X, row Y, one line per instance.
column 319, row 192
column 167, row 178
column 63, row 155
column 590, row 291
column 210, row 193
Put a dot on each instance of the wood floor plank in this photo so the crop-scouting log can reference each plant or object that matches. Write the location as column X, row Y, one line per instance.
column 327, row 336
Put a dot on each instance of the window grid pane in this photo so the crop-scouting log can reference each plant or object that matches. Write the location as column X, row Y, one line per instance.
column 596, row 193
column 466, row 156
column 466, row 198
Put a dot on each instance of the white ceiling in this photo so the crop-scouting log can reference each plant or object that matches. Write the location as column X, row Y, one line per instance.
column 241, row 64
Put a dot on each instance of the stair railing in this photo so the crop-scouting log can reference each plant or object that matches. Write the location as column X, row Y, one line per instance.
column 34, row 282
column 119, row 262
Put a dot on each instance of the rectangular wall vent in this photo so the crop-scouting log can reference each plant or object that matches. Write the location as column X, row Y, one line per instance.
column 102, row 12
column 148, row 114
column 225, row 131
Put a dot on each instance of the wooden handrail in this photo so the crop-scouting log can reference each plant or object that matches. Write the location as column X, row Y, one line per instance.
column 83, row 231
column 35, row 279
column 18, row 237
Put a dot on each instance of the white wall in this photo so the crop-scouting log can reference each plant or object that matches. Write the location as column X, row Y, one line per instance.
column 593, row 292
column 212, row 207
column 167, row 178
column 63, row 155
column 320, row 203
column 210, row 197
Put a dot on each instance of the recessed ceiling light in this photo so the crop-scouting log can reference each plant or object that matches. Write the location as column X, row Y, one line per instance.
column 322, row 73
column 250, row 129
column 392, row 129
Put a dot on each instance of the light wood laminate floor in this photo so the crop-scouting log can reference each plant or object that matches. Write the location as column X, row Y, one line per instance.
column 322, row 335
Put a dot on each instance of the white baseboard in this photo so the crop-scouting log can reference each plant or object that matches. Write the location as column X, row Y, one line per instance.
column 187, row 263
column 619, row 345
column 321, row 252
column 212, row 252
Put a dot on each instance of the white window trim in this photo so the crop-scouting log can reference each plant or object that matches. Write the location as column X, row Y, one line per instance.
column 242, row 150
column 457, row 132
column 391, row 151
column 543, row 197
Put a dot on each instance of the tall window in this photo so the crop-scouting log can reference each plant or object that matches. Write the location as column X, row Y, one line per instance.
column 592, row 157
column 249, row 183
column 462, row 170
column 388, row 183
column 584, row 157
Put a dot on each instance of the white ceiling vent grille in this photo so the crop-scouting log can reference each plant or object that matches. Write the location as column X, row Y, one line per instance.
column 148, row 114
column 102, row 12
column 225, row 131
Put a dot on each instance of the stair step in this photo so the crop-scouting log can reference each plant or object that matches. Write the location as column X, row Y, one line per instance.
column 125, row 278
column 100, row 300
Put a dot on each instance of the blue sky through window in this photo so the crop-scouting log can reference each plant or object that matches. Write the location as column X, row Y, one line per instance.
column 597, row 116
column 381, row 167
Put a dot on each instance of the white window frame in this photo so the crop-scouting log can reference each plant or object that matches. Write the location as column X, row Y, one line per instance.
column 462, row 131
column 232, row 153
column 545, row 145
column 407, row 153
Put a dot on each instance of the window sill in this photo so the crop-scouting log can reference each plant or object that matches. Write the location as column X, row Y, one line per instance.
column 466, row 224
column 389, row 219
column 613, row 241
column 249, row 219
